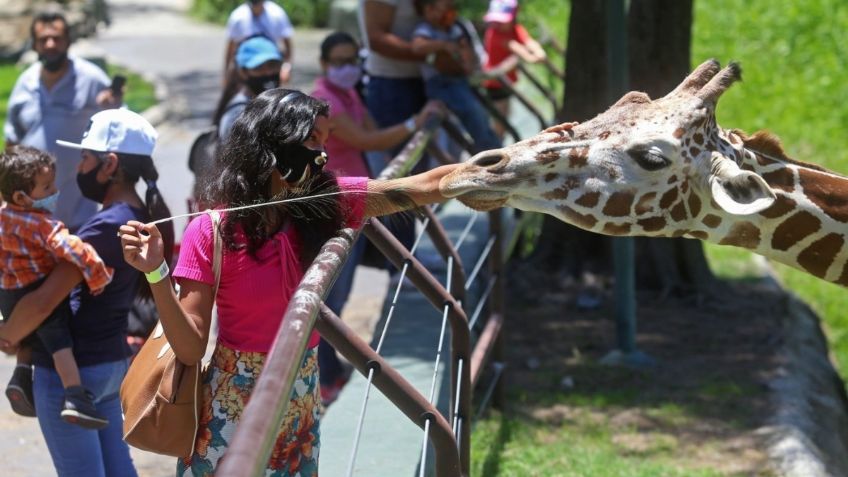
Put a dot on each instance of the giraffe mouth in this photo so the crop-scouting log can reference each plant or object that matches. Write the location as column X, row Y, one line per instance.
column 484, row 200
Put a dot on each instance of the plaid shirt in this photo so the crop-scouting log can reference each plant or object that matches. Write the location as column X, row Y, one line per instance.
column 32, row 243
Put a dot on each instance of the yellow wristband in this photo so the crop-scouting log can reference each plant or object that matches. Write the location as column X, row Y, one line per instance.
column 159, row 274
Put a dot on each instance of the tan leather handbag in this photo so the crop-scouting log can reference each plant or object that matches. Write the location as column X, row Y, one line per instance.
column 160, row 396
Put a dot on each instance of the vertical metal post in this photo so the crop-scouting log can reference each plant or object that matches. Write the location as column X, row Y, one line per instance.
column 497, row 301
column 618, row 80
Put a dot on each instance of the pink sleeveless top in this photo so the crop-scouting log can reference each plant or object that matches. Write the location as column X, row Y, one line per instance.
column 254, row 293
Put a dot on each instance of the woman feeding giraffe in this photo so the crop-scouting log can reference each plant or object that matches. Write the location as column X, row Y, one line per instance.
column 275, row 150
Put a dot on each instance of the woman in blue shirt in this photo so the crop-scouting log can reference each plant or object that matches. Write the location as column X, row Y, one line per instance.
column 115, row 155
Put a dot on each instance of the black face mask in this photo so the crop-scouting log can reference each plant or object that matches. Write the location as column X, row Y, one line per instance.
column 53, row 63
column 89, row 187
column 296, row 162
column 259, row 84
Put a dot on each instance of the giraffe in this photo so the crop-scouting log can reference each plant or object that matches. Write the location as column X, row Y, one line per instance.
column 664, row 168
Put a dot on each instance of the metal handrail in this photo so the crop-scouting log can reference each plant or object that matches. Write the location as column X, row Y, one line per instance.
column 403, row 394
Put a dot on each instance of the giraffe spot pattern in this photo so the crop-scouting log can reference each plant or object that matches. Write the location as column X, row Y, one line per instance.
column 668, row 198
column 560, row 193
column 742, row 234
column 843, row 277
column 616, row 229
column 781, row 206
column 678, row 212
column 694, row 151
column 711, row 221
column 699, row 235
column 618, row 204
column 694, row 205
column 573, row 217
column 548, row 157
column 782, row 179
column 672, row 180
column 652, row 224
column 643, row 205
column 578, row 157
column 820, row 188
column 817, row 258
column 764, row 161
column 698, row 138
column 794, row 229
column 589, row 199
column 550, row 176
column 678, row 133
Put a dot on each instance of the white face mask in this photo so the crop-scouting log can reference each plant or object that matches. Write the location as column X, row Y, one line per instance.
column 345, row 76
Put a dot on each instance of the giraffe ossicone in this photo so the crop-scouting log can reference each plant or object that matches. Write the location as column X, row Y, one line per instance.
column 664, row 168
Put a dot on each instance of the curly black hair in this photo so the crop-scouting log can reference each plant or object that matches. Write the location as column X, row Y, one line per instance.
column 244, row 165
column 18, row 167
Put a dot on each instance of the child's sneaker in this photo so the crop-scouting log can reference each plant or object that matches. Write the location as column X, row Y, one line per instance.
column 19, row 391
column 79, row 409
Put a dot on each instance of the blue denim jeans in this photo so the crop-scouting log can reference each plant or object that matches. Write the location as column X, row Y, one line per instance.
column 456, row 94
column 83, row 452
column 329, row 364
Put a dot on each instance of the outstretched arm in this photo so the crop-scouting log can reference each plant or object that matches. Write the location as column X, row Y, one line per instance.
column 394, row 195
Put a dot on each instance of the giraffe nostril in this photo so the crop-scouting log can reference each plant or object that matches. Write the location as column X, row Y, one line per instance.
column 488, row 159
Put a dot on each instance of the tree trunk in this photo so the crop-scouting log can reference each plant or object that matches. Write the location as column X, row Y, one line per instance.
column 562, row 247
column 659, row 38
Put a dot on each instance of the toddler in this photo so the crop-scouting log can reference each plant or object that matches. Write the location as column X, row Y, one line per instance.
column 31, row 244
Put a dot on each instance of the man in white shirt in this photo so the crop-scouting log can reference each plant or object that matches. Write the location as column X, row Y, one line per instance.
column 54, row 99
column 260, row 17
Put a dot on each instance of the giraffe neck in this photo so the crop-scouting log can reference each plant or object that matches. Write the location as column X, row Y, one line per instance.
column 805, row 228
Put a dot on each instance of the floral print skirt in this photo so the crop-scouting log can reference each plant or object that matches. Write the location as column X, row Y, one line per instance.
column 227, row 384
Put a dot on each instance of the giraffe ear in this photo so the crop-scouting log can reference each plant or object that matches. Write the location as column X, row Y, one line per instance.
column 736, row 191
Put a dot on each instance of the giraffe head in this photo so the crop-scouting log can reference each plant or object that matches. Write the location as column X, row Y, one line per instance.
column 643, row 167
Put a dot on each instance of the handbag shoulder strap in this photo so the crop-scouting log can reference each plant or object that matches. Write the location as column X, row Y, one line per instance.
column 217, row 248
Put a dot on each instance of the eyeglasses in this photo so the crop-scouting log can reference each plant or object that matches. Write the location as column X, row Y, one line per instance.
column 351, row 60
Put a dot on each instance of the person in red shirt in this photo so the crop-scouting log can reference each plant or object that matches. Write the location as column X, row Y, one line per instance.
column 507, row 42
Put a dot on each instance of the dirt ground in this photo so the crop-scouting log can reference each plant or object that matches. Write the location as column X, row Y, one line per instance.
column 705, row 399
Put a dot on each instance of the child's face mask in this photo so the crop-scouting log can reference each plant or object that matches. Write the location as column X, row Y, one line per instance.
column 48, row 203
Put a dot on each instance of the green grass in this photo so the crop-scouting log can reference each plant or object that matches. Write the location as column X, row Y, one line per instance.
column 8, row 74
column 507, row 446
column 140, row 94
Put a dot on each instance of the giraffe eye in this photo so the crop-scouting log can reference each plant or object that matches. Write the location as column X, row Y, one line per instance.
column 649, row 158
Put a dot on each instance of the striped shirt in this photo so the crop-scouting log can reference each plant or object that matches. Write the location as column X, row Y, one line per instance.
column 32, row 243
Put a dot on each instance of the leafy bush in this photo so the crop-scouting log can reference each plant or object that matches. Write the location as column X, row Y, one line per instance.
column 301, row 12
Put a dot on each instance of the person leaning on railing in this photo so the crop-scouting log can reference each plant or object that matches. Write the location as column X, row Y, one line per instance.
column 352, row 132
column 275, row 150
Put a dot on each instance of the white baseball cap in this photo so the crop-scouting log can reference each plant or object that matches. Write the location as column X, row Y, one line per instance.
column 117, row 130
